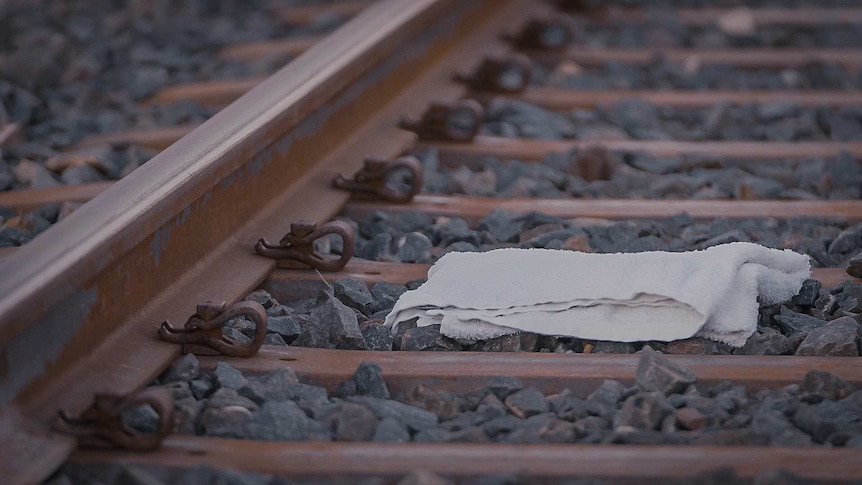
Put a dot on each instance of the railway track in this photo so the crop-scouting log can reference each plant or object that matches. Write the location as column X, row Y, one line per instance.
column 82, row 304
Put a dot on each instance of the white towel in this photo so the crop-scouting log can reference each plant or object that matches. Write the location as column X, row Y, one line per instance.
column 624, row 297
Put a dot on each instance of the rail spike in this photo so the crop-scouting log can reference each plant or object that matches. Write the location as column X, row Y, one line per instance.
column 204, row 328
column 370, row 182
column 510, row 74
column 458, row 121
column 296, row 248
column 102, row 426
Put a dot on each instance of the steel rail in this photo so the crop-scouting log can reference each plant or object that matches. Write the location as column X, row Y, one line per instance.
column 169, row 235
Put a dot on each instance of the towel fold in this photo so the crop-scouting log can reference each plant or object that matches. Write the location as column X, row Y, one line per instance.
column 624, row 297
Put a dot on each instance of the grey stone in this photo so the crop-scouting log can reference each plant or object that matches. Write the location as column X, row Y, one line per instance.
column 409, row 221
column 775, row 111
column 224, row 422
column 779, row 429
column 35, row 223
column 81, row 174
column 355, row 294
column 542, row 428
column 200, row 388
column 792, row 322
column 385, row 295
column 12, row 236
column 289, row 327
column 369, row 381
column 854, row 266
column 808, row 294
column 277, row 385
column 413, row 247
column 470, row 434
column 228, row 377
column 243, row 326
column 504, row 343
column 644, row 410
column 813, row 424
column 315, row 333
column 442, row 404
column 503, row 386
column 657, row 373
column 426, row 338
column 274, row 339
column 605, row 398
column 845, row 416
column 284, row 421
column 697, row 346
column 7, row 178
column 345, row 389
column 527, row 402
column 391, row 430
column 350, row 422
column 766, row 341
column 343, row 326
column 569, row 407
column 819, row 385
column 849, row 240
column 141, row 418
column 690, row 419
column 377, row 336
column 225, row 397
column 500, row 425
column 837, row 338
column 606, row 347
column 34, row 175
column 504, row 226
column 312, row 399
column 178, row 390
column 263, row 297
column 489, row 408
column 279, row 311
column 415, row 418
column 185, row 368
column 378, row 248
column 727, row 237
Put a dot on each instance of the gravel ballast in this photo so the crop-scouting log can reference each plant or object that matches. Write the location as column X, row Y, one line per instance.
column 598, row 173
column 641, row 120
column 664, row 406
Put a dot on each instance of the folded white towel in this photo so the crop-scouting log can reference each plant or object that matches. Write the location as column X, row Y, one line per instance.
column 624, row 297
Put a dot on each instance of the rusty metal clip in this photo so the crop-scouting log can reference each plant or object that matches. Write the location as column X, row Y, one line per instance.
column 370, row 182
column 458, row 121
column 510, row 74
column 101, row 425
column 544, row 34
column 296, row 248
column 204, row 328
